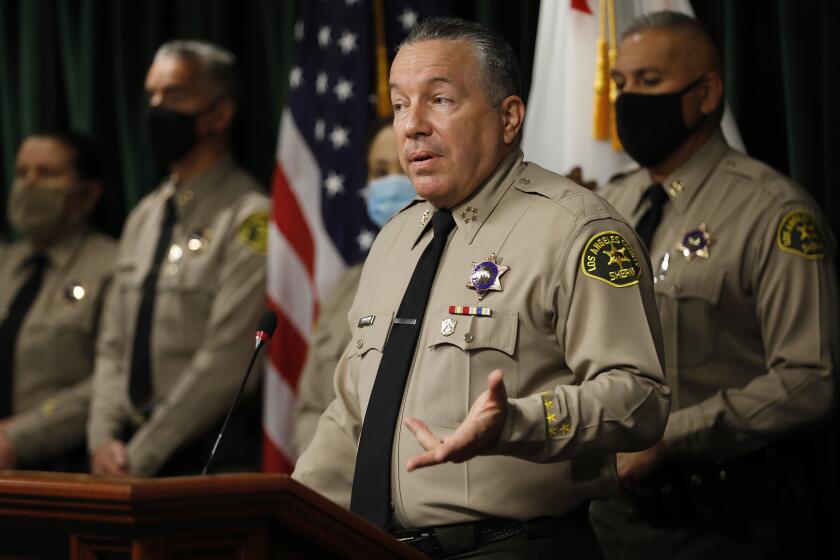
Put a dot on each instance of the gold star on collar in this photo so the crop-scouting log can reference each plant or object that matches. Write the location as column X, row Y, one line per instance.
column 469, row 214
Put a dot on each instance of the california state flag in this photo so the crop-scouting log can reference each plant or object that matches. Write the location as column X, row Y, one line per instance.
column 558, row 132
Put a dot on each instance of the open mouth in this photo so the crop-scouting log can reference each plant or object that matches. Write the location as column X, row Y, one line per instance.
column 420, row 157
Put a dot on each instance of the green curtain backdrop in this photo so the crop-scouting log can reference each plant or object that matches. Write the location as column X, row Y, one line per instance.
column 81, row 63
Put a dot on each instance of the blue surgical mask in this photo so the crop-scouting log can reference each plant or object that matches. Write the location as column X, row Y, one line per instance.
column 386, row 196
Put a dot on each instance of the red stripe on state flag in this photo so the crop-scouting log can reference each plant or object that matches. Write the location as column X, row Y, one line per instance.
column 582, row 5
column 291, row 221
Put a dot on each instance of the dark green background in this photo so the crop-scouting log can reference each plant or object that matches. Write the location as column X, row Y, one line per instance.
column 81, row 63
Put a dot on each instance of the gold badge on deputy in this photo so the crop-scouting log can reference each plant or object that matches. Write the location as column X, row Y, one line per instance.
column 485, row 276
column 799, row 234
column 608, row 257
column 696, row 243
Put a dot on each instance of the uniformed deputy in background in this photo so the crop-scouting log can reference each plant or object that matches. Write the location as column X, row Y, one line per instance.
column 388, row 191
column 745, row 286
column 188, row 287
column 52, row 287
column 534, row 323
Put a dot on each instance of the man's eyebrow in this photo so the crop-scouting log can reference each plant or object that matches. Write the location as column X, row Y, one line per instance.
column 431, row 80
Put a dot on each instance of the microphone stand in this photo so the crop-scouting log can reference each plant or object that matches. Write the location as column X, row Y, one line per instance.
column 261, row 340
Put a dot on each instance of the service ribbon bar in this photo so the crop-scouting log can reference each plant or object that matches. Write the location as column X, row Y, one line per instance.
column 465, row 310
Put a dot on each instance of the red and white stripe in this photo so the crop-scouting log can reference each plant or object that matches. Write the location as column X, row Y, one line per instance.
column 302, row 263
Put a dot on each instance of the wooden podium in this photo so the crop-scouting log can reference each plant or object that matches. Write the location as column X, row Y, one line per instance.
column 242, row 516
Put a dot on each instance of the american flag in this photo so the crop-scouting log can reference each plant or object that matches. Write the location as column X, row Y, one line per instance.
column 319, row 219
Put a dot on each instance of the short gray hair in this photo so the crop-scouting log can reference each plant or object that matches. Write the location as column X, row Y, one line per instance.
column 497, row 63
column 216, row 64
column 676, row 22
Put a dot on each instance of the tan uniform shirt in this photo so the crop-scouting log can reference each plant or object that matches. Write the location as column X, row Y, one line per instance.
column 750, row 341
column 210, row 294
column 315, row 389
column 581, row 357
column 55, row 348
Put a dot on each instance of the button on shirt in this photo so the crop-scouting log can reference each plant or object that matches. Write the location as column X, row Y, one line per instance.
column 750, row 340
column 581, row 357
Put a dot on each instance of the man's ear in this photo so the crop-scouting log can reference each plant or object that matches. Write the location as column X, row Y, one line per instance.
column 712, row 93
column 513, row 115
column 222, row 116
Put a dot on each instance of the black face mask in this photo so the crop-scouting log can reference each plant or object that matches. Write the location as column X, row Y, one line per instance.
column 170, row 134
column 651, row 127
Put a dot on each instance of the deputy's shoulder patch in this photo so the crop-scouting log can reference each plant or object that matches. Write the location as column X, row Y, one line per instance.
column 608, row 257
column 799, row 234
column 253, row 232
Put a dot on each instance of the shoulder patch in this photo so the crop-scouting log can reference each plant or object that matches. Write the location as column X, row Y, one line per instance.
column 799, row 234
column 608, row 257
column 253, row 233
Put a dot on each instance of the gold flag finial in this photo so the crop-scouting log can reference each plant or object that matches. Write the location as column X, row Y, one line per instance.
column 383, row 96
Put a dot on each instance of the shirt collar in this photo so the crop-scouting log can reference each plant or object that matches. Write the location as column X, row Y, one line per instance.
column 59, row 253
column 187, row 192
column 471, row 213
column 684, row 183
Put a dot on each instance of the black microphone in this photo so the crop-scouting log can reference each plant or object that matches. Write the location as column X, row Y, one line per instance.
column 265, row 328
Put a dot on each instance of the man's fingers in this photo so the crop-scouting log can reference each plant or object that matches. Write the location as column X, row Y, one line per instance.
column 496, row 386
column 436, row 456
column 118, row 454
column 422, row 433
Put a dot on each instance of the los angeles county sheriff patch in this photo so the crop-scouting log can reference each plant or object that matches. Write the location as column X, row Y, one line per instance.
column 253, row 233
column 609, row 258
column 798, row 234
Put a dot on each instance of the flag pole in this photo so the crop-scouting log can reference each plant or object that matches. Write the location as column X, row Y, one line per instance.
column 383, row 97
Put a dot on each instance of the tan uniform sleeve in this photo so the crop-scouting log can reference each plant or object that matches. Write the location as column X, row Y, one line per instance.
column 55, row 426
column 315, row 389
column 106, row 418
column 795, row 296
column 328, row 463
column 206, row 388
column 612, row 342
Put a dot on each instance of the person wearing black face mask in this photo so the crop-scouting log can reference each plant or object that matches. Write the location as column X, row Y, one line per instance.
column 190, row 285
column 744, row 279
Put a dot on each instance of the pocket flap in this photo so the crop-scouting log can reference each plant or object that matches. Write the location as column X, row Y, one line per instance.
column 706, row 287
column 369, row 330
column 472, row 333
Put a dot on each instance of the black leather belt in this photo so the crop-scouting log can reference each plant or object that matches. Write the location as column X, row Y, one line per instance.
column 447, row 540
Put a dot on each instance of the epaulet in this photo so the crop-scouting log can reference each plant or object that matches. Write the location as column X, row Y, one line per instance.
column 745, row 166
column 624, row 172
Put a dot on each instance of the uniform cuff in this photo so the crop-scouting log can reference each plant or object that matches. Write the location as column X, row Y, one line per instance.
column 524, row 429
column 686, row 432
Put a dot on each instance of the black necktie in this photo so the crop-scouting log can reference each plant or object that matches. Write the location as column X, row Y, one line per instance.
column 11, row 326
column 140, row 377
column 649, row 221
column 372, row 480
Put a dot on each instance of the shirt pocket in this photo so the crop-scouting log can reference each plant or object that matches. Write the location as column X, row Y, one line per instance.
column 369, row 332
column 460, row 356
column 696, row 298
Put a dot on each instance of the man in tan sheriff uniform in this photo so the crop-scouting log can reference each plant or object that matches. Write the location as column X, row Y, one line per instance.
column 207, row 282
column 745, row 288
column 540, row 285
column 47, row 339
